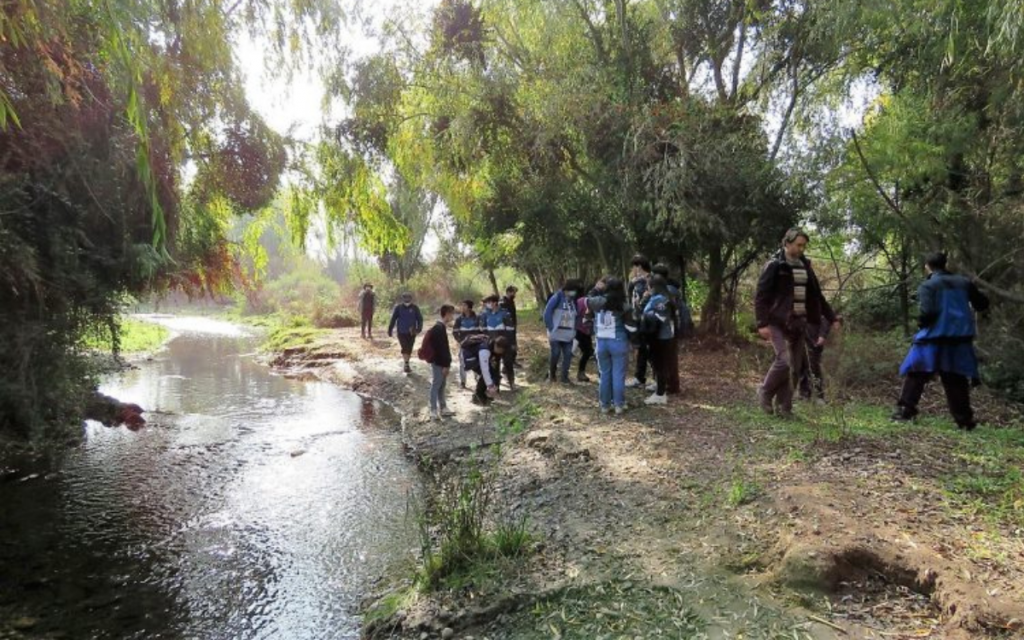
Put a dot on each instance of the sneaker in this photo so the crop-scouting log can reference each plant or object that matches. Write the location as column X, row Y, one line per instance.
column 619, row 410
column 656, row 399
column 407, row 369
column 605, row 410
column 566, row 381
column 764, row 401
column 511, row 386
column 446, row 413
column 967, row 426
column 902, row 415
column 434, row 415
column 652, row 387
column 463, row 385
column 582, row 377
column 633, row 383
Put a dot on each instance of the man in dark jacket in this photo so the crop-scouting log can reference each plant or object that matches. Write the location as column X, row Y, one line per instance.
column 367, row 305
column 440, row 361
column 944, row 345
column 408, row 320
column 508, row 303
column 788, row 299
column 638, row 293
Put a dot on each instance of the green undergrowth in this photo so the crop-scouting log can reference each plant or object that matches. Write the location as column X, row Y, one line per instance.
column 464, row 540
column 136, row 336
column 617, row 609
column 988, row 481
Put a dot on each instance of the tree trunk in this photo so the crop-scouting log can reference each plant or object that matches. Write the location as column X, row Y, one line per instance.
column 494, row 281
column 711, row 314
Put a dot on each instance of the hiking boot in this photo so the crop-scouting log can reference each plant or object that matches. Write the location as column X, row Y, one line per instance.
column 656, row 399
column 764, row 401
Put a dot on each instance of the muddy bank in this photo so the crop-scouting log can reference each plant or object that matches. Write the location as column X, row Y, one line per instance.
column 693, row 520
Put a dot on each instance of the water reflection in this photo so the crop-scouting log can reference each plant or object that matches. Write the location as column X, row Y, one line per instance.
column 251, row 506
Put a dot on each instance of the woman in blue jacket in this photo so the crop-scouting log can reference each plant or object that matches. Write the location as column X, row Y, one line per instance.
column 608, row 304
column 560, row 321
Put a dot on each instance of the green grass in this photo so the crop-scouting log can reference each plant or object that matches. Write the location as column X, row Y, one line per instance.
column 385, row 608
column 136, row 336
column 617, row 609
column 988, row 484
column 280, row 337
column 742, row 491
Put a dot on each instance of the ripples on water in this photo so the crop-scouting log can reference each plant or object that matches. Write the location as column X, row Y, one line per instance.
column 251, row 506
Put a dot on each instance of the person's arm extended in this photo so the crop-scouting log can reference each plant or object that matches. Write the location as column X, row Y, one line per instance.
column 485, row 367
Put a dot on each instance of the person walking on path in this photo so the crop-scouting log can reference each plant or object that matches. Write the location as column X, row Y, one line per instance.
column 440, row 361
column 584, row 337
column 366, row 306
column 788, row 299
column 560, row 322
column 466, row 325
column 608, row 303
column 407, row 320
column 945, row 343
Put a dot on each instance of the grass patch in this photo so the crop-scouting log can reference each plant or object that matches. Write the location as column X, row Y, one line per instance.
column 616, row 609
column 136, row 336
column 518, row 417
column 457, row 546
column 281, row 338
column 742, row 491
column 991, row 483
column 385, row 609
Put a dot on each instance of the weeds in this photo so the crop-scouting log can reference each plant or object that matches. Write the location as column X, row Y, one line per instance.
column 454, row 539
column 742, row 491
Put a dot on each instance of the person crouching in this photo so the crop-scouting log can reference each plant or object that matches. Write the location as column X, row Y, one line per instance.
column 482, row 355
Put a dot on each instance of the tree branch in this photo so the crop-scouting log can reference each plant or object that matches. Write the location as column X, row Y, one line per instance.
column 874, row 180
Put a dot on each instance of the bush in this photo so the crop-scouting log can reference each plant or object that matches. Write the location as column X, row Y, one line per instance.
column 1001, row 351
column 874, row 308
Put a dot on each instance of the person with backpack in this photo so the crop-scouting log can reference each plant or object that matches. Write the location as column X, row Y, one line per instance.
column 407, row 320
column 560, row 322
column 659, row 327
column 483, row 354
column 945, row 343
column 496, row 321
column 638, row 292
column 466, row 324
column 787, row 300
column 607, row 301
column 365, row 307
column 682, row 321
column 435, row 350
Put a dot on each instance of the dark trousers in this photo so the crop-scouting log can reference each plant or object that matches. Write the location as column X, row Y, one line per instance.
column 789, row 360
column 508, row 365
column 958, row 395
column 661, row 360
column 643, row 355
column 672, row 384
column 366, row 326
column 586, row 342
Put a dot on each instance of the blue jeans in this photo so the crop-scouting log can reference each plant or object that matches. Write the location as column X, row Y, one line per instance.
column 437, row 385
column 561, row 350
column 612, row 359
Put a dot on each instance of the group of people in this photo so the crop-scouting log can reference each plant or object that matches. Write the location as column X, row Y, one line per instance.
column 648, row 316
column 793, row 314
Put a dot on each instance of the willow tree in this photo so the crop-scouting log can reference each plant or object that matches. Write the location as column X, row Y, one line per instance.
column 105, row 108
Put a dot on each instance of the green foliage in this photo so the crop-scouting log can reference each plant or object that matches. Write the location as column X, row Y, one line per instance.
column 455, row 542
column 288, row 335
column 133, row 336
column 742, row 491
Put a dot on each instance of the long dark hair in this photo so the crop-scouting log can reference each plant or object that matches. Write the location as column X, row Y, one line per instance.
column 615, row 294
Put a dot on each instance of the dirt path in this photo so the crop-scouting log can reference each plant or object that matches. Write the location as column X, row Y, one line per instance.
column 703, row 518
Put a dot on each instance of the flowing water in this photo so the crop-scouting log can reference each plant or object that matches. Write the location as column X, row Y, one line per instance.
column 250, row 506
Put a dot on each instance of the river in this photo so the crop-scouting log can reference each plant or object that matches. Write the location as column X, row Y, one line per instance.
column 250, row 506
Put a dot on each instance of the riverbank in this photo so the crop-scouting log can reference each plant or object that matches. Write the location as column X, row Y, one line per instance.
column 704, row 516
